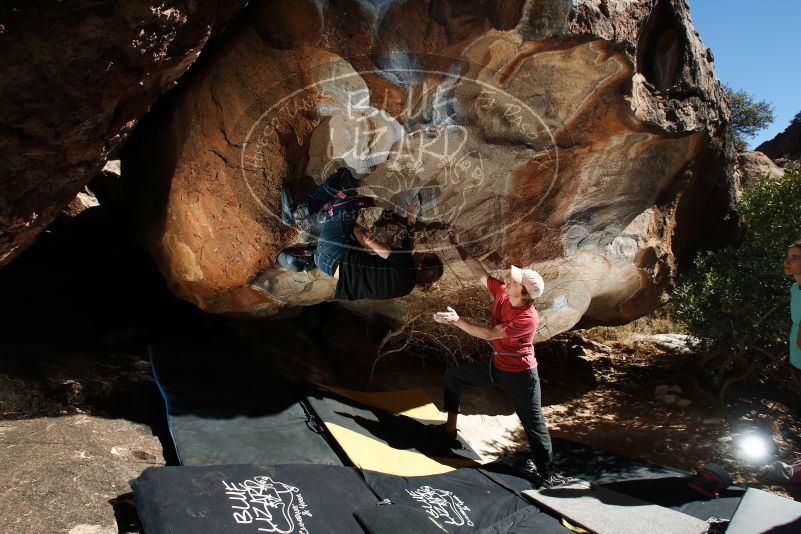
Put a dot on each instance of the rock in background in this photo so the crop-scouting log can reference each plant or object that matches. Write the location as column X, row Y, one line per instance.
column 786, row 145
column 752, row 166
column 76, row 426
column 74, row 79
column 67, row 472
column 83, row 201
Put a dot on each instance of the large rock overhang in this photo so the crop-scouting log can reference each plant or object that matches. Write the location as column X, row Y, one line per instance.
column 585, row 142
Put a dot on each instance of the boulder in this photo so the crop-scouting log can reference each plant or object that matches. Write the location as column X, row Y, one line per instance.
column 105, row 182
column 68, row 471
column 671, row 343
column 588, row 141
column 77, row 427
column 82, row 202
column 74, row 79
column 754, row 166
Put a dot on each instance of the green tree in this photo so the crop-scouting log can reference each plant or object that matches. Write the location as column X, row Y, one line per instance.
column 736, row 300
column 748, row 116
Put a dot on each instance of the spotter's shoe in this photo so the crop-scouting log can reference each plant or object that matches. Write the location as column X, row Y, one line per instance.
column 555, row 480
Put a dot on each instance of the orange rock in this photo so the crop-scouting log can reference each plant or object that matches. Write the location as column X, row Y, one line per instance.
column 589, row 144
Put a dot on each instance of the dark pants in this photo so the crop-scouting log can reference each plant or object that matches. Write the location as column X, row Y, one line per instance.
column 336, row 235
column 523, row 389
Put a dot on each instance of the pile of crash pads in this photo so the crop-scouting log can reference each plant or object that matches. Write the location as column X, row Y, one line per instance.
column 330, row 499
column 265, row 478
column 224, row 409
column 301, row 498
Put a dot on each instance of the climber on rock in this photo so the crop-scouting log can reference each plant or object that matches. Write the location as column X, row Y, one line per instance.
column 364, row 267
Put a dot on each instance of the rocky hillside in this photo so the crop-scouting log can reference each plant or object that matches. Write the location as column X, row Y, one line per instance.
column 786, row 145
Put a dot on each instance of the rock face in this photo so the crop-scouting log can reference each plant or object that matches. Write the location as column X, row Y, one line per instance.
column 587, row 140
column 83, row 201
column 786, row 145
column 76, row 428
column 74, row 79
column 753, row 166
column 67, row 471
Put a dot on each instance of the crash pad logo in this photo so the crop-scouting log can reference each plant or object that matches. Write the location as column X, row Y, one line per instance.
column 268, row 505
column 442, row 505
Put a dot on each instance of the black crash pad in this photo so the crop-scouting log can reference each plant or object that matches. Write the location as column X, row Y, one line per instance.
column 227, row 408
column 674, row 493
column 596, row 466
column 249, row 499
column 464, row 500
column 649, row 482
column 388, row 518
column 388, row 441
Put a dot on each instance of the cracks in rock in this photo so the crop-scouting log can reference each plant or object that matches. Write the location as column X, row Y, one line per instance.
column 221, row 128
column 224, row 159
column 681, row 93
column 604, row 8
column 227, row 140
column 220, row 122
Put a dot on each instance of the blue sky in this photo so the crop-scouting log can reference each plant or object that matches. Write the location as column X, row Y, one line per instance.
column 756, row 49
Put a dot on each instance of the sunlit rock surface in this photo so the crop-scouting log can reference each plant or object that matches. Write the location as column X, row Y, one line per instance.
column 585, row 139
column 753, row 166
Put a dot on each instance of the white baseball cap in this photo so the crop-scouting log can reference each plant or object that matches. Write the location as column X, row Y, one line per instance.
column 531, row 280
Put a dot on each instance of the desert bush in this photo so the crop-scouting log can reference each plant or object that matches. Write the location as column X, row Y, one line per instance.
column 736, row 299
column 748, row 116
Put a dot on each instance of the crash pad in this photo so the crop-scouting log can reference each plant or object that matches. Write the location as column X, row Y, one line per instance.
column 464, row 500
column 224, row 407
column 760, row 511
column 251, row 499
column 389, row 432
column 604, row 511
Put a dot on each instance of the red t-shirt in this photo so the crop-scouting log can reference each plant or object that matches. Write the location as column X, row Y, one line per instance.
column 519, row 324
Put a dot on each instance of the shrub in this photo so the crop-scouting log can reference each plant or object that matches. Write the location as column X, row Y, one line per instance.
column 736, row 299
column 748, row 116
